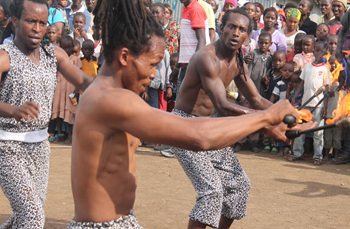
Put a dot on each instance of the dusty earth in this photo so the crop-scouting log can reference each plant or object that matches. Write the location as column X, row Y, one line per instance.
column 283, row 194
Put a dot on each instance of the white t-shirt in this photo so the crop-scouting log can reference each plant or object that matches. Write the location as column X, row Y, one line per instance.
column 314, row 76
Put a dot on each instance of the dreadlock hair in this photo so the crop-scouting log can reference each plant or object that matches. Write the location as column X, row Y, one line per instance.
column 16, row 6
column 241, row 11
column 125, row 23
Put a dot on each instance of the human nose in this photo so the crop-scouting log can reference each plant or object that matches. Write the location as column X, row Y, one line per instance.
column 36, row 27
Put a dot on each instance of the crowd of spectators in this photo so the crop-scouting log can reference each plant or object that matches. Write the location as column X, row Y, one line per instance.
column 290, row 55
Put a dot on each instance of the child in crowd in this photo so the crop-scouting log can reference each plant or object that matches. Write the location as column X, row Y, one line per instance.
column 79, row 21
column 77, row 48
column 174, row 58
column 279, row 93
column 298, row 43
column 280, row 90
column 278, row 61
column 65, row 98
column 295, row 91
column 307, row 55
column 314, row 76
column 89, row 61
column 322, row 32
column 260, row 62
column 228, row 5
column 52, row 34
column 332, row 136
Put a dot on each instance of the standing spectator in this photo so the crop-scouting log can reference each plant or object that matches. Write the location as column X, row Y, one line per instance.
column 314, row 76
column 250, row 8
column 65, row 98
column 169, row 26
column 78, row 6
column 278, row 39
column 298, row 43
column 4, row 16
column 258, row 15
column 326, row 10
column 52, row 34
column 305, row 24
column 194, row 34
column 79, row 34
column 291, row 30
column 211, row 19
column 278, row 62
column 228, row 5
column 307, row 56
column 338, row 8
column 56, row 18
column 322, row 32
column 89, row 62
column 260, row 62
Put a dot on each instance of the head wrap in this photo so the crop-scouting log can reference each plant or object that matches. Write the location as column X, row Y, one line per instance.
column 293, row 12
column 233, row 2
column 344, row 2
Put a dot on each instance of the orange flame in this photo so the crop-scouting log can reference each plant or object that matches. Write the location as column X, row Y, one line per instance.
column 343, row 107
column 304, row 116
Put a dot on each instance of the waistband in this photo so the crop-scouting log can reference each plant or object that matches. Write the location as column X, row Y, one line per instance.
column 28, row 137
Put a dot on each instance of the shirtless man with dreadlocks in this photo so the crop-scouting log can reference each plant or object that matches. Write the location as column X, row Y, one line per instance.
column 111, row 118
column 221, row 184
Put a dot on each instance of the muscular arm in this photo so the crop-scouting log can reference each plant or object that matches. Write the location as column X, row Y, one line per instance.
column 139, row 119
column 71, row 72
column 248, row 89
column 214, row 87
column 200, row 35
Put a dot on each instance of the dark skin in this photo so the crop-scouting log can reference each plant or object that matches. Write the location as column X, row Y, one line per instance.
column 103, row 152
column 209, row 73
column 30, row 30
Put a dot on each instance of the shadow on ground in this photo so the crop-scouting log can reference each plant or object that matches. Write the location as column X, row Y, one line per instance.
column 316, row 189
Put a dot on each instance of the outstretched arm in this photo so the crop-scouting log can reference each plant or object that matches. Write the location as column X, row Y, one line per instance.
column 70, row 71
column 140, row 120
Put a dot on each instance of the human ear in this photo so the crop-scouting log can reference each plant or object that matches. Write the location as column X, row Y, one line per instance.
column 123, row 56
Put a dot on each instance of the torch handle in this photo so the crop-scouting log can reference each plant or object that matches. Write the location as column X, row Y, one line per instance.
column 290, row 120
column 296, row 133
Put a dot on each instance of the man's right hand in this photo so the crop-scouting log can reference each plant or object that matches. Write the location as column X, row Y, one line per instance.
column 26, row 112
column 279, row 110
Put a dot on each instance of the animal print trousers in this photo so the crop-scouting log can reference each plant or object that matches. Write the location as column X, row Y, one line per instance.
column 24, row 171
column 221, row 184
column 124, row 222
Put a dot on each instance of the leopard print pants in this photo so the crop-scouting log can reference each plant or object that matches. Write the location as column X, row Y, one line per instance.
column 24, row 171
column 221, row 184
column 124, row 222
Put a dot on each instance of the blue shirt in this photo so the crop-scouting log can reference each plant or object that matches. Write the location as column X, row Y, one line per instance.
column 55, row 15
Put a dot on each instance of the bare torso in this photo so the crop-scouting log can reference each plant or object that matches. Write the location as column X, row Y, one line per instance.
column 192, row 97
column 103, row 160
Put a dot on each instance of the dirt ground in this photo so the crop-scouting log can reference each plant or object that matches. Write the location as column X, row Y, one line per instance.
column 283, row 194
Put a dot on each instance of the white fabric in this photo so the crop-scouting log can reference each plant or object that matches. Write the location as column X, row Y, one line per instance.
column 188, row 41
column 314, row 77
column 29, row 137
